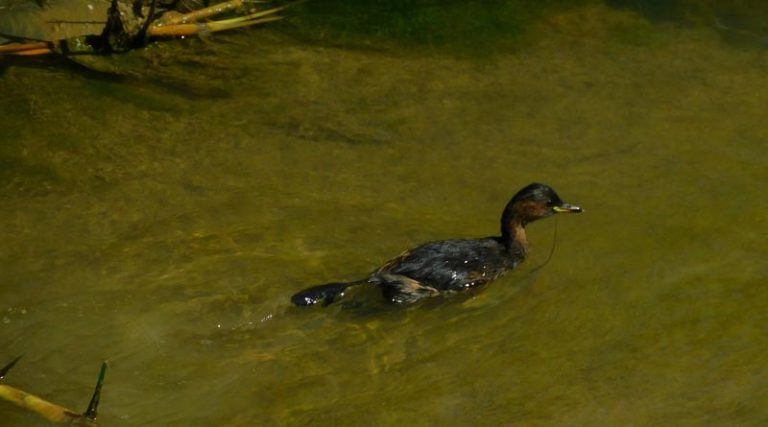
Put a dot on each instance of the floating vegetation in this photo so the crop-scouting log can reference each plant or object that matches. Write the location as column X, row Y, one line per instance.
column 120, row 27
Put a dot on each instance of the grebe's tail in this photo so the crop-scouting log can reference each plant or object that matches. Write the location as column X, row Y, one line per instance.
column 325, row 294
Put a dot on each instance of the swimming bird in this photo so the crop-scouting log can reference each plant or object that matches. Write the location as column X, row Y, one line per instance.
column 452, row 266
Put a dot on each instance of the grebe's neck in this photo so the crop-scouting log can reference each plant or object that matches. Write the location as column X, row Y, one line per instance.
column 513, row 235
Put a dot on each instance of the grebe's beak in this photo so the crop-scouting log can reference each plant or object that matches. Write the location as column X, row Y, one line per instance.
column 567, row 208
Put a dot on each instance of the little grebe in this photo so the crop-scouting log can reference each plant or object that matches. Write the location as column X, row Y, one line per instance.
column 449, row 266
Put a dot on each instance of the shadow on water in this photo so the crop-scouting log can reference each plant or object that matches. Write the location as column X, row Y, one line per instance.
column 739, row 23
column 113, row 81
column 421, row 22
column 482, row 27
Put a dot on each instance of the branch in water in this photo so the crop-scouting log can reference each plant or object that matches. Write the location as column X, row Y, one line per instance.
column 51, row 411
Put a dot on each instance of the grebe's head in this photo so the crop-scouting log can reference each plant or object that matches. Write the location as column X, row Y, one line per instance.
column 533, row 202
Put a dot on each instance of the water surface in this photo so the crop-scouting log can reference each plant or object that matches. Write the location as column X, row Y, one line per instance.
column 164, row 227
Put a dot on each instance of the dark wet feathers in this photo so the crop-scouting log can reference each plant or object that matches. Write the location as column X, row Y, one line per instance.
column 452, row 264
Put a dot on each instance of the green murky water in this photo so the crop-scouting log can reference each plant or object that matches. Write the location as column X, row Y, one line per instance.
column 164, row 227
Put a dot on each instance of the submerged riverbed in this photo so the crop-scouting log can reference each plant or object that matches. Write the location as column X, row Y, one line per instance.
column 162, row 223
